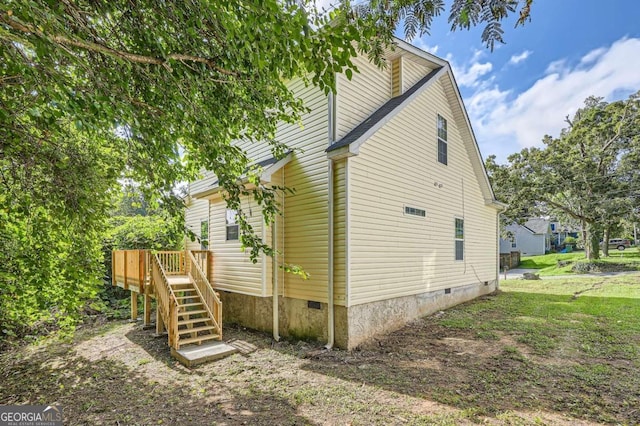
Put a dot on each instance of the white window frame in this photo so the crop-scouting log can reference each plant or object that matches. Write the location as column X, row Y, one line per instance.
column 406, row 206
column 231, row 223
column 204, row 236
column 456, row 239
column 444, row 140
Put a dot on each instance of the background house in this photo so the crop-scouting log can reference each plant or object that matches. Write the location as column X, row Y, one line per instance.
column 560, row 231
column 531, row 238
column 393, row 216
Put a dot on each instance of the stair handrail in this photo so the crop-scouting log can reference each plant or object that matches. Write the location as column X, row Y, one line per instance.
column 167, row 301
column 212, row 301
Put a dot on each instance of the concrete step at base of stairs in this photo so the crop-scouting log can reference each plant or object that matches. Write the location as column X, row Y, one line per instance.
column 194, row 355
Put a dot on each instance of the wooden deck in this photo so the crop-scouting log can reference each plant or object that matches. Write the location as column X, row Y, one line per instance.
column 188, row 308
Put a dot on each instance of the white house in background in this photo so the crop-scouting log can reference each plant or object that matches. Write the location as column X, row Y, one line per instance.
column 393, row 215
column 531, row 238
column 560, row 231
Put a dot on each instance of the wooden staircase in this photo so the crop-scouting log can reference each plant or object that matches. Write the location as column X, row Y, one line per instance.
column 194, row 323
column 187, row 307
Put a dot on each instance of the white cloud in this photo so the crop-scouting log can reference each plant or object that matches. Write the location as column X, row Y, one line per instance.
column 593, row 55
column 471, row 76
column 556, row 66
column 505, row 122
column 516, row 59
column 421, row 43
column 477, row 54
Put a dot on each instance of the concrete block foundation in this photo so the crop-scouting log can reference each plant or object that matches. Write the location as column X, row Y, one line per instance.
column 354, row 325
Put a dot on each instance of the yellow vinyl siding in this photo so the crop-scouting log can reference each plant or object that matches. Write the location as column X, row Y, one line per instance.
column 393, row 254
column 339, row 232
column 357, row 99
column 196, row 212
column 277, row 179
column 233, row 270
column 396, row 77
column 305, row 211
column 205, row 182
column 412, row 72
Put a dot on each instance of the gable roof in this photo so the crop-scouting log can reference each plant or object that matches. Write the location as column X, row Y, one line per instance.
column 364, row 130
column 350, row 144
column 537, row 225
column 268, row 166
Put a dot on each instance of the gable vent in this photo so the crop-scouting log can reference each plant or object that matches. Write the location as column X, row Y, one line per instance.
column 396, row 77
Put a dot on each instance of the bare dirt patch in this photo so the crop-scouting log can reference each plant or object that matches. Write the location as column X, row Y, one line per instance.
column 425, row 373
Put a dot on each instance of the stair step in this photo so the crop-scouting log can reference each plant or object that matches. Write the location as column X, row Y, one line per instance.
column 181, row 286
column 193, row 320
column 195, row 329
column 182, row 342
column 186, row 290
column 186, row 305
column 194, row 312
column 187, row 297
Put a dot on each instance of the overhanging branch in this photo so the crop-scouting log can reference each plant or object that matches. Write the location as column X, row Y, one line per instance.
column 567, row 210
column 106, row 50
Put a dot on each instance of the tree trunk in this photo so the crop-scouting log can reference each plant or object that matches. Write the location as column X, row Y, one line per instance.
column 605, row 242
column 592, row 244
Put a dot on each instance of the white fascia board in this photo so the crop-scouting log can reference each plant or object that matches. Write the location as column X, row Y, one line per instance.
column 265, row 177
column 473, row 136
column 354, row 147
column 270, row 170
column 421, row 53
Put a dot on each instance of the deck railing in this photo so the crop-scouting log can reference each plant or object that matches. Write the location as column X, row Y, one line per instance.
column 129, row 267
column 172, row 262
column 205, row 261
column 211, row 299
column 167, row 304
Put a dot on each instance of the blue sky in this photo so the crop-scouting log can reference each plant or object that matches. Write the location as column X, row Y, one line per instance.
column 525, row 88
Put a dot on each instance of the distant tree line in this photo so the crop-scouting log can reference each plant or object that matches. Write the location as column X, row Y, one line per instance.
column 589, row 174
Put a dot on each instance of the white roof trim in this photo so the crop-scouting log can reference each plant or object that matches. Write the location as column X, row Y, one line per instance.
column 419, row 52
column 471, row 132
column 265, row 177
column 354, row 147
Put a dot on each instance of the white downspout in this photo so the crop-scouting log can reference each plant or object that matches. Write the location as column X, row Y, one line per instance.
column 274, row 279
column 330, row 305
column 275, row 272
column 498, row 251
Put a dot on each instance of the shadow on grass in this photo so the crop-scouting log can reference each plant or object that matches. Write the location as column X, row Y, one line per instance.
column 109, row 392
column 514, row 351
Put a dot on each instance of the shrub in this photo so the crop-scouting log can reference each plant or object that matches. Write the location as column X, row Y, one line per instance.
column 586, row 267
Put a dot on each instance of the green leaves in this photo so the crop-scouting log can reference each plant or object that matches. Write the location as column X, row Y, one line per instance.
column 589, row 174
column 154, row 91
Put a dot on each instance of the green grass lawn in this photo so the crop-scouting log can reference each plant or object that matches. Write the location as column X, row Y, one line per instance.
column 564, row 351
column 548, row 264
column 577, row 341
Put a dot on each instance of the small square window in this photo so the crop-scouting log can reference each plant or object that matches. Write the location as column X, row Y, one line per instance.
column 232, row 225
